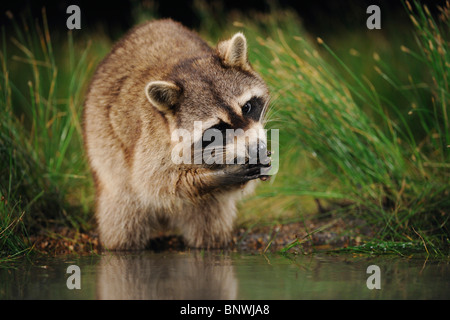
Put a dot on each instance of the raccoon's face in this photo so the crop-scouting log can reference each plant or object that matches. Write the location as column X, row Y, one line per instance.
column 217, row 104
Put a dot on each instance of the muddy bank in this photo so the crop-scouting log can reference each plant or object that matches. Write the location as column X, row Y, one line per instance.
column 298, row 237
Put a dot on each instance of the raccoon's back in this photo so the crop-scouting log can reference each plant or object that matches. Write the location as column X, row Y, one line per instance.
column 149, row 51
column 116, row 104
column 116, row 98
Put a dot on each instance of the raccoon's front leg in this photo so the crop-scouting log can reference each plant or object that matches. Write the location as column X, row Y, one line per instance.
column 197, row 182
column 208, row 221
column 209, row 224
column 232, row 175
column 237, row 174
column 122, row 224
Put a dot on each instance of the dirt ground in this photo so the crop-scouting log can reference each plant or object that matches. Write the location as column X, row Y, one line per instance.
column 297, row 237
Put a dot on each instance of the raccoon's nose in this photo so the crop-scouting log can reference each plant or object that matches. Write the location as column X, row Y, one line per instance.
column 259, row 153
column 263, row 153
column 261, row 147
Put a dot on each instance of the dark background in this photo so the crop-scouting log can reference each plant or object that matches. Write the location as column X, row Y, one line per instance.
column 318, row 16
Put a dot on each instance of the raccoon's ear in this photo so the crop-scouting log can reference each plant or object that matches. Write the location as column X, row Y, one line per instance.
column 162, row 94
column 234, row 51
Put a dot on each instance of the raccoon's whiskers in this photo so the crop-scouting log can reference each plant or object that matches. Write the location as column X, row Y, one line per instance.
column 215, row 152
column 263, row 113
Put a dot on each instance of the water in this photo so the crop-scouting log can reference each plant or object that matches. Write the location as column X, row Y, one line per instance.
column 229, row 275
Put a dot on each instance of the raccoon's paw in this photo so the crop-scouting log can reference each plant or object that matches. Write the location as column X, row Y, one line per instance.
column 206, row 240
column 241, row 173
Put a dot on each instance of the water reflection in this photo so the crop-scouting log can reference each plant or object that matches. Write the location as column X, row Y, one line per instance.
column 196, row 275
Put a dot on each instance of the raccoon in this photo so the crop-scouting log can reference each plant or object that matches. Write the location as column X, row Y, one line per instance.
column 160, row 78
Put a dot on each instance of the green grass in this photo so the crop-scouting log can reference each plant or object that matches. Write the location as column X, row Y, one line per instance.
column 396, row 179
column 344, row 140
column 362, row 131
column 385, row 247
column 44, row 176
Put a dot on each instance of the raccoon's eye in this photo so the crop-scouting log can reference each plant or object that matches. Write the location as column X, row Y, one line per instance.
column 247, row 107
